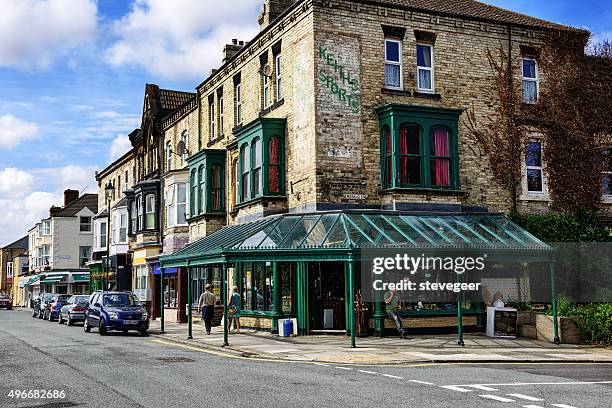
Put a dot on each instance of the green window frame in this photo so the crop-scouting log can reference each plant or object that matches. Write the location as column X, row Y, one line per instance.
column 207, row 169
column 261, row 159
column 419, row 147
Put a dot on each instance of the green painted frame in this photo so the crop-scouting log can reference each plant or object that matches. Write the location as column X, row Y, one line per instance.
column 425, row 118
column 205, row 160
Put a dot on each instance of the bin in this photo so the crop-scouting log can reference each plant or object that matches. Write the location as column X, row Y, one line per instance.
column 287, row 327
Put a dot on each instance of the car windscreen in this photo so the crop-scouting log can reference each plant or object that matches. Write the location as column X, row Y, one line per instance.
column 4, row 296
column 64, row 298
column 81, row 299
column 120, row 299
column 47, row 297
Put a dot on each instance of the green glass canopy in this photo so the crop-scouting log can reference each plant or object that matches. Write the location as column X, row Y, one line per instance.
column 333, row 235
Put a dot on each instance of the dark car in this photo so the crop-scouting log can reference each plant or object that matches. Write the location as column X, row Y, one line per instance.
column 52, row 310
column 74, row 310
column 41, row 303
column 5, row 301
column 121, row 311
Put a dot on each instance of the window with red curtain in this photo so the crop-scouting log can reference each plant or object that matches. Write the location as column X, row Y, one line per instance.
column 410, row 154
column 274, row 166
column 440, row 156
column 388, row 170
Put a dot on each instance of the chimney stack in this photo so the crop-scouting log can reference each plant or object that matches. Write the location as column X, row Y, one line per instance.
column 70, row 196
column 54, row 210
column 231, row 49
column 271, row 10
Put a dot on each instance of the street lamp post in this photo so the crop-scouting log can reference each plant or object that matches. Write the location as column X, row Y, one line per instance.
column 109, row 191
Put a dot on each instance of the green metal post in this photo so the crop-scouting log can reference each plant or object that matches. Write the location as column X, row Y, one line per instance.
column 556, row 338
column 352, row 300
column 161, row 299
column 189, row 302
column 379, row 314
column 459, row 317
column 224, row 297
column 276, row 297
column 347, row 308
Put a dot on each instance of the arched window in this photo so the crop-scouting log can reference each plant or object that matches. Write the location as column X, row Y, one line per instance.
column 388, row 160
column 216, row 190
column 410, row 154
column 274, row 166
column 440, row 156
column 256, row 151
column 245, row 185
column 202, row 192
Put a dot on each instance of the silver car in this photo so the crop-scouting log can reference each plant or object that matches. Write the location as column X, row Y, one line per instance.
column 74, row 310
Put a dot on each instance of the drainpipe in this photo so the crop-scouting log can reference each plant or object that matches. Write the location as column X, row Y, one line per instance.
column 556, row 338
column 459, row 317
column 352, row 298
column 224, row 298
column 161, row 299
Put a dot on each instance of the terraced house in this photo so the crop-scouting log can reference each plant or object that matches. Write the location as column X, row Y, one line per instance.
column 341, row 125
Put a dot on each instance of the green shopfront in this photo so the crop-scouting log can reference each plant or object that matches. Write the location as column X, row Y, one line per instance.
column 306, row 266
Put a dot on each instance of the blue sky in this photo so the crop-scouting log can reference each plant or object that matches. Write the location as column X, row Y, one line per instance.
column 72, row 77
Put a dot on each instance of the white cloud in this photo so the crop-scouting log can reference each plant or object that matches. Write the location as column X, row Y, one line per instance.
column 15, row 182
column 35, row 32
column 120, row 146
column 13, row 130
column 181, row 39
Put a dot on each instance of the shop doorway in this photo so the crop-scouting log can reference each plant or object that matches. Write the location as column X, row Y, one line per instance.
column 326, row 282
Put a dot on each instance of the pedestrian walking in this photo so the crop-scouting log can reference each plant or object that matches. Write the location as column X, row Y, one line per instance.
column 234, row 310
column 206, row 305
column 392, row 309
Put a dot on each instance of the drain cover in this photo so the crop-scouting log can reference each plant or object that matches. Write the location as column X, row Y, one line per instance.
column 176, row 359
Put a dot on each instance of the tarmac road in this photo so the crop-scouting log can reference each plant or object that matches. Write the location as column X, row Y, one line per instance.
column 132, row 371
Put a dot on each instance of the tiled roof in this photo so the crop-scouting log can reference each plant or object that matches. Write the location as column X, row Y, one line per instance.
column 473, row 9
column 21, row 243
column 171, row 99
column 86, row 200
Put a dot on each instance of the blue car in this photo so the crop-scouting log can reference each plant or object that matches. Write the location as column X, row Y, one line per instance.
column 120, row 311
column 53, row 307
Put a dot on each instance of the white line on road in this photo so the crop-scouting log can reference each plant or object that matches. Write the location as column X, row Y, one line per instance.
column 496, row 398
column 455, row 388
column 542, row 383
column 525, row 397
column 393, row 376
column 367, row 372
column 421, row 382
column 532, row 406
column 563, row 406
column 321, row 364
column 482, row 387
column 343, row 368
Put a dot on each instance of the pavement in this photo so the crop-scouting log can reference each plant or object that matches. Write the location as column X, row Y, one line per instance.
column 47, row 365
column 376, row 350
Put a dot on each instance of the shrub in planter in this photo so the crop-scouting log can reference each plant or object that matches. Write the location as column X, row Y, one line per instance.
column 593, row 321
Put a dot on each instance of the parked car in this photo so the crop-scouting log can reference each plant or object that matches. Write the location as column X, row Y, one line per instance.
column 5, row 301
column 53, row 307
column 40, row 304
column 121, row 311
column 74, row 310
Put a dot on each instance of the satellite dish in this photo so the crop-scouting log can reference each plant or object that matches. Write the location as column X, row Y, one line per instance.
column 265, row 70
column 180, row 148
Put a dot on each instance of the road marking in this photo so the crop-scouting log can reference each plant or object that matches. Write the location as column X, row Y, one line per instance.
column 367, row 372
column 535, row 383
column 393, row 376
column 525, row 397
column 455, row 388
column 321, row 364
column 343, row 368
column 563, row 406
column 496, row 398
column 421, row 382
column 482, row 387
column 532, row 406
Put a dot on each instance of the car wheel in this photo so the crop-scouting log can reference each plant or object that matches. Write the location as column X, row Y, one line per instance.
column 144, row 332
column 101, row 328
column 86, row 326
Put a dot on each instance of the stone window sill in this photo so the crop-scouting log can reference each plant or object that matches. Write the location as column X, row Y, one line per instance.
column 534, row 197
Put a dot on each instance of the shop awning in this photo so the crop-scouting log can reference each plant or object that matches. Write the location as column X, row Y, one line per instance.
column 33, row 280
column 332, row 235
column 80, row 277
column 53, row 278
column 167, row 271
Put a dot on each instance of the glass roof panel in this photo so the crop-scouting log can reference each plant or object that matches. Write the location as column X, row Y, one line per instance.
column 320, row 230
column 481, row 226
column 272, row 235
column 517, row 233
column 444, row 232
column 337, row 237
column 363, row 232
column 420, row 232
column 296, row 235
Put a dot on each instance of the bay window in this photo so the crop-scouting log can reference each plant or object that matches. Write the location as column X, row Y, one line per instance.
column 170, row 207
column 256, row 157
column 419, row 147
column 168, row 156
column 46, row 227
column 102, row 234
column 530, row 80
column 245, row 181
column 140, row 213
column 216, row 188
column 425, row 73
column 202, row 192
column 134, row 218
column 193, row 193
column 274, row 166
column 207, row 169
column 176, row 204
column 150, row 211
column 123, row 227
column 534, row 168
column 393, row 63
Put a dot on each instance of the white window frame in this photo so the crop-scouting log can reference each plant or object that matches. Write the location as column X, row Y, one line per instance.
column 423, row 68
column 149, row 209
column 211, row 118
column 9, row 269
column 168, row 155
column 181, row 205
column 266, row 88
column 220, row 109
column 80, row 255
column 123, row 221
column 45, row 255
column 102, row 236
column 540, row 167
column 395, row 63
column 141, row 282
column 46, row 227
column 278, row 79
column 170, row 207
column 238, row 99
column 115, row 230
column 81, row 224
column 140, row 207
column 528, row 79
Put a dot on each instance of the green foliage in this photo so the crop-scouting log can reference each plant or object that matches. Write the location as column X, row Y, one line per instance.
column 582, row 226
column 595, row 324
